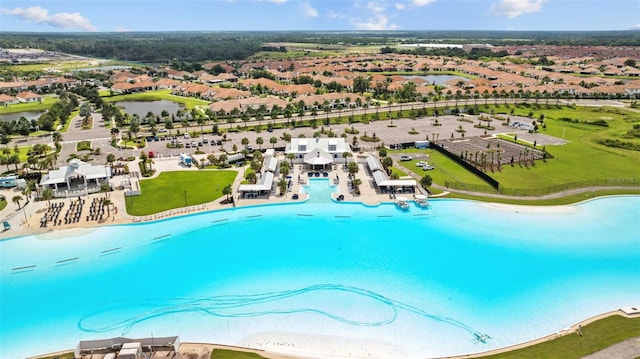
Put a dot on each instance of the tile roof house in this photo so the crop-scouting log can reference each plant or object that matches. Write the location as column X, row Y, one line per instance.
column 6, row 100
column 28, row 96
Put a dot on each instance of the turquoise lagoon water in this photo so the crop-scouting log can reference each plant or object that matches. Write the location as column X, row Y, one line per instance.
column 460, row 277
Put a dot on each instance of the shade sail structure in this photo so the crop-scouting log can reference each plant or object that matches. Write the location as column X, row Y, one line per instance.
column 318, row 157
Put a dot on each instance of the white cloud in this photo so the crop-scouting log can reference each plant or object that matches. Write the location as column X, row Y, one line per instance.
column 309, row 11
column 121, row 29
column 332, row 14
column 39, row 15
column 375, row 7
column 515, row 8
column 376, row 22
column 399, row 6
column 422, row 2
column 277, row 1
column 635, row 27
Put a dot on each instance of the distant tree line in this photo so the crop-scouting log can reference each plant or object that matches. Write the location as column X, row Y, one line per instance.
column 474, row 54
column 192, row 47
column 142, row 47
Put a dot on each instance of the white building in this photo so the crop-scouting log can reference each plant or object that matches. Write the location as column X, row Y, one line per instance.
column 76, row 179
column 317, row 152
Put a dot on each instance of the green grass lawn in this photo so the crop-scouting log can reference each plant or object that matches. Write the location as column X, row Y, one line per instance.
column 169, row 189
column 595, row 336
column 445, row 169
column 188, row 102
column 46, row 103
column 582, row 158
column 232, row 354
column 3, row 204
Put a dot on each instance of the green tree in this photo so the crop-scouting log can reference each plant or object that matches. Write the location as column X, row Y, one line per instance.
column 227, row 191
column 16, row 199
column 426, row 181
column 361, row 84
column 47, row 195
column 353, row 168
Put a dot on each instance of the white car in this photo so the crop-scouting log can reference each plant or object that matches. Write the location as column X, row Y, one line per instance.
column 405, row 158
column 427, row 167
column 421, row 163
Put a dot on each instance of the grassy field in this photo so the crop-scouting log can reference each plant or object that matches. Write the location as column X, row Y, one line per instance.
column 46, row 103
column 595, row 336
column 232, row 354
column 178, row 189
column 445, row 169
column 188, row 102
column 582, row 157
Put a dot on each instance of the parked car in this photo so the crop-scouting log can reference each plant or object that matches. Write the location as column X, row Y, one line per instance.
column 427, row 167
column 421, row 163
column 205, row 139
column 187, row 145
column 152, row 154
column 219, row 143
column 405, row 158
column 186, row 136
column 249, row 148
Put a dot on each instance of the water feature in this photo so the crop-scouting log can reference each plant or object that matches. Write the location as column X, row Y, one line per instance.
column 29, row 115
column 460, row 277
column 319, row 190
column 439, row 79
column 143, row 107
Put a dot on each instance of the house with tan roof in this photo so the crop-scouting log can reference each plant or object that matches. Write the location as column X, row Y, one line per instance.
column 28, row 96
column 177, row 75
column 221, row 94
column 6, row 100
column 190, row 89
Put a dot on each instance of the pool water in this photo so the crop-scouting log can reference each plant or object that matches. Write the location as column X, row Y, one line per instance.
column 319, row 190
column 460, row 277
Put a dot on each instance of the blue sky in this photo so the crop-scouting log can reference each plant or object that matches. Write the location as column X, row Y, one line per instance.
column 237, row 15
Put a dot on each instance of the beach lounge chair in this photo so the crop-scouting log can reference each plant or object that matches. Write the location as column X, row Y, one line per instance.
column 7, row 225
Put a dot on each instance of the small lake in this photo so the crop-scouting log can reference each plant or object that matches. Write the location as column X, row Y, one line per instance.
column 29, row 115
column 143, row 107
column 439, row 79
column 105, row 68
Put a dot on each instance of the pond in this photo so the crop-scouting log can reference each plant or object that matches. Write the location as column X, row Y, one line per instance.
column 143, row 107
column 440, row 79
column 29, row 115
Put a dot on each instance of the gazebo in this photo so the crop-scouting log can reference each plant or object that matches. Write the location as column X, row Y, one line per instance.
column 318, row 158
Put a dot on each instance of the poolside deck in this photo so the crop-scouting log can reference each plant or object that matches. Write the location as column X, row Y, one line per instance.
column 28, row 220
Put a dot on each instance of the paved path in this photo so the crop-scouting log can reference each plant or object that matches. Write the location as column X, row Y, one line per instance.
column 628, row 349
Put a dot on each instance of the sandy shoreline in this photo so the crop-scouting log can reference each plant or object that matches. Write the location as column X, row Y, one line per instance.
column 280, row 345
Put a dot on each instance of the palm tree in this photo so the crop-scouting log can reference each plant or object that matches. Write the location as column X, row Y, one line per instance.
column 426, row 181
column 56, row 137
column 16, row 199
column 282, row 185
column 273, row 141
column 352, row 167
column 259, row 142
column 227, row 191
column 107, row 203
column 47, row 195
column 356, row 184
